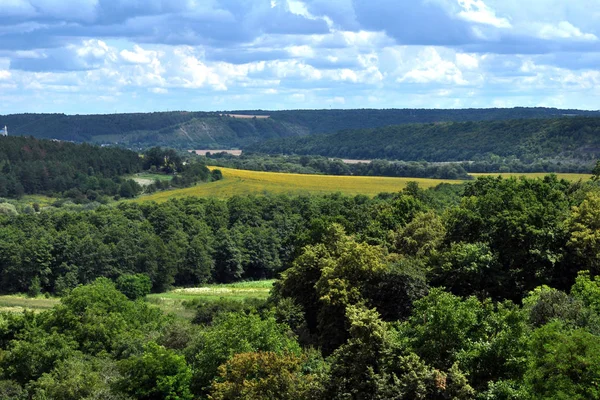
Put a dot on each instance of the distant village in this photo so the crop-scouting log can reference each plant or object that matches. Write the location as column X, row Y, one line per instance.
column 4, row 132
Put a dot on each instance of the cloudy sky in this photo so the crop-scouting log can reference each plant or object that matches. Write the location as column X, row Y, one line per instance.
column 104, row 56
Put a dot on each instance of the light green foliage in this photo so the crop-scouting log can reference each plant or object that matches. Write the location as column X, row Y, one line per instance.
column 587, row 290
column 266, row 375
column 78, row 377
column 563, row 364
column 158, row 373
column 102, row 319
column 584, row 232
column 231, row 334
column 8, row 209
column 421, row 236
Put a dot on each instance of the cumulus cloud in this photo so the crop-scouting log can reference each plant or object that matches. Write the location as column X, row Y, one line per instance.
column 139, row 55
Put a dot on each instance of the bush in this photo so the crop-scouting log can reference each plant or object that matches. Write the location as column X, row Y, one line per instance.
column 134, row 286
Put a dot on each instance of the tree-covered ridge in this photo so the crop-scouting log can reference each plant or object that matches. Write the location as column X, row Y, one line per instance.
column 85, row 172
column 575, row 138
column 181, row 129
column 33, row 166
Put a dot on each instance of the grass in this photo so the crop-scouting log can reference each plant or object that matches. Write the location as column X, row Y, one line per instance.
column 169, row 302
column 174, row 300
column 146, row 178
column 19, row 303
column 241, row 182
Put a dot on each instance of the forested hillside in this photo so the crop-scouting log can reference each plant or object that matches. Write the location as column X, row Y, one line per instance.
column 213, row 130
column 571, row 138
column 32, row 166
column 489, row 294
column 85, row 172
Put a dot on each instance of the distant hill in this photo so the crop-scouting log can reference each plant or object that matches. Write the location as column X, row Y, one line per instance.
column 574, row 138
column 238, row 128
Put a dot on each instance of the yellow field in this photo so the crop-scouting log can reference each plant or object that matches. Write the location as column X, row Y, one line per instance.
column 569, row 177
column 240, row 182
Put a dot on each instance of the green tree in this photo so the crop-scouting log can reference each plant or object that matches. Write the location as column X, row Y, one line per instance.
column 231, row 334
column 584, row 232
column 563, row 363
column 157, row 374
column 265, row 375
column 134, row 286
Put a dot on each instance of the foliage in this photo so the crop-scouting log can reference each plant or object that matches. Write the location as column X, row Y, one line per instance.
column 265, row 375
column 134, row 286
column 157, row 373
column 232, row 334
column 525, row 139
column 213, row 130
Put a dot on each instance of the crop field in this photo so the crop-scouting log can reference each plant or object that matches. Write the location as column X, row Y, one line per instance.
column 240, row 182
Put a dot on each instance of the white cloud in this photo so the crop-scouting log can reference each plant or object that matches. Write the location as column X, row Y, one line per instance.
column 563, row 30
column 431, row 67
column 477, row 11
column 4, row 74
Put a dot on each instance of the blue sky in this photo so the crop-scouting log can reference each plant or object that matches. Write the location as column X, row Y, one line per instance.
column 104, row 56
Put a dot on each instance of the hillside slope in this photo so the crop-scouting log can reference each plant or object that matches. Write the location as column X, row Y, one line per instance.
column 576, row 138
column 215, row 131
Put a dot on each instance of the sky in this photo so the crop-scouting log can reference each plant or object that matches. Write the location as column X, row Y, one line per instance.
column 106, row 56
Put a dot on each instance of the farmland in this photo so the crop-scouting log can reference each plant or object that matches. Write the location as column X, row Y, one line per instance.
column 242, row 182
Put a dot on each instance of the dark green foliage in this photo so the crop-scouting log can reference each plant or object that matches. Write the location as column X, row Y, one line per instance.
column 80, row 171
column 207, row 311
column 134, row 286
column 323, row 165
column 527, row 140
column 189, row 130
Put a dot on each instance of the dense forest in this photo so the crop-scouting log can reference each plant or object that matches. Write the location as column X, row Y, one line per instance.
column 570, row 138
column 324, row 165
column 213, row 130
column 84, row 172
column 488, row 290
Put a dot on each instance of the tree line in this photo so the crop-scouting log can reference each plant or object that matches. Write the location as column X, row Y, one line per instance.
column 323, row 165
column 493, row 294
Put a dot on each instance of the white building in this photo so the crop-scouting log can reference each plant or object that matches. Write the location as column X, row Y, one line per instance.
column 4, row 132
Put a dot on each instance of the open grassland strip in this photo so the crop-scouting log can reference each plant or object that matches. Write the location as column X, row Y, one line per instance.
column 173, row 301
column 569, row 177
column 19, row 303
column 145, row 179
column 240, row 182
